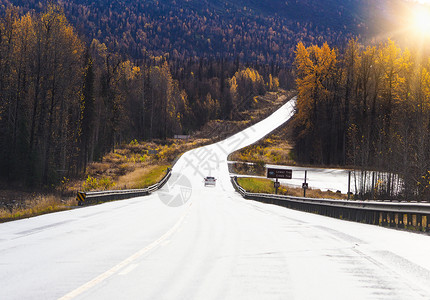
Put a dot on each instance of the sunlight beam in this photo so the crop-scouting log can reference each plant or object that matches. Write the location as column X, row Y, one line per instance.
column 421, row 22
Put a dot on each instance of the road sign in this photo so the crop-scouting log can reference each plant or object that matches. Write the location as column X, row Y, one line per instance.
column 154, row 151
column 181, row 137
column 277, row 184
column 80, row 197
column 279, row 173
column 305, row 185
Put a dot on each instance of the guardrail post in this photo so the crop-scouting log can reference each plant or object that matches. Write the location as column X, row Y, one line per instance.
column 358, row 216
column 390, row 220
column 349, row 184
column 396, row 219
column 375, row 218
column 406, row 220
column 425, row 223
column 419, row 222
column 384, row 219
column 366, row 217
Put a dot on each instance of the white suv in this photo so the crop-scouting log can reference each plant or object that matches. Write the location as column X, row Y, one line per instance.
column 210, row 180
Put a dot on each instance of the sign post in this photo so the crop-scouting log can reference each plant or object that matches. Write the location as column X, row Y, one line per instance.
column 305, row 185
column 349, row 184
column 279, row 173
column 276, row 184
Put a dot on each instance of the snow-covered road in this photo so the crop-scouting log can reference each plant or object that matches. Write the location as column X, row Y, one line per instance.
column 191, row 242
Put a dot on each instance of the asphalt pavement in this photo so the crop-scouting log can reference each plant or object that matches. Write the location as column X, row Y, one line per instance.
column 188, row 241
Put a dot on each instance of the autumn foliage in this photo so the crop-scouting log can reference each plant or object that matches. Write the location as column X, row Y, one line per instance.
column 65, row 103
column 368, row 107
column 263, row 31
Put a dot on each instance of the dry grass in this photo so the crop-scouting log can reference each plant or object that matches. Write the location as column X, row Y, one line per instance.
column 265, row 186
column 257, row 185
column 313, row 193
column 142, row 177
column 134, row 165
column 275, row 149
column 39, row 205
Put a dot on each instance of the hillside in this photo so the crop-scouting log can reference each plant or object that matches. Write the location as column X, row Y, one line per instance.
column 80, row 78
column 258, row 31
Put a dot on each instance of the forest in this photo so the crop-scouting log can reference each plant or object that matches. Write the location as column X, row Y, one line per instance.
column 65, row 103
column 368, row 107
column 81, row 77
column 259, row 32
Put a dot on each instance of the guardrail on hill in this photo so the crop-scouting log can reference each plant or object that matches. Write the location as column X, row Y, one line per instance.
column 103, row 196
column 398, row 214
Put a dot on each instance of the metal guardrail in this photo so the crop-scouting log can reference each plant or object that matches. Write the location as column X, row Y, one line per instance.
column 399, row 214
column 103, row 196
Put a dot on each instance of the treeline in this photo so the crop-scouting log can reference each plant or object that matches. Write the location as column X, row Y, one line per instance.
column 368, row 107
column 64, row 103
column 260, row 32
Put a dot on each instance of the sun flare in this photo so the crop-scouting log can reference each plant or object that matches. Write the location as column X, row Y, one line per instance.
column 421, row 22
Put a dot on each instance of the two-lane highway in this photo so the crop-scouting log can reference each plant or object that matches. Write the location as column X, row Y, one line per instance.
column 188, row 241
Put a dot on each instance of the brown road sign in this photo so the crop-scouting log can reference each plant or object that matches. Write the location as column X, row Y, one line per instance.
column 279, row 173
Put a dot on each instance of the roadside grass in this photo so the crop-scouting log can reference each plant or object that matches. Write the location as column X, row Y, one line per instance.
column 40, row 205
column 265, row 186
column 274, row 149
column 43, row 204
column 142, row 177
column 131, row 166
column 256, row 185
column 134, row 165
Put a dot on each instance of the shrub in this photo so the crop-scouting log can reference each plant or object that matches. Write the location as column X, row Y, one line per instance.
column 134, row 143
column 91, row 184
